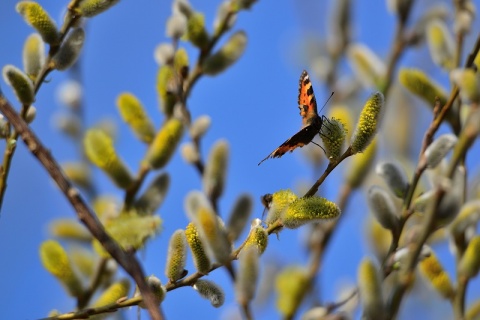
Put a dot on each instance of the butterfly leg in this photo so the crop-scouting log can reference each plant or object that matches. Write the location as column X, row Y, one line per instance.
column 319, row 146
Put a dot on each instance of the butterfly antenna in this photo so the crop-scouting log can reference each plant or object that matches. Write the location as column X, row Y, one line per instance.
column 327, row 101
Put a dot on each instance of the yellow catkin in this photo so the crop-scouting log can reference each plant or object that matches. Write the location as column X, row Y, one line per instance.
column 165, row 143
column 177, row 256
column 433, row 271
column 370, row 290
column 114, row 292
column 55, row 260
column 279, row 201
column 33, row 55
column 200, row 258
column 134, row 114
column 90, row 8
column 38, row 18
column 307, row 210
column 258, row 237
column 469, row 265
column 216, row 170
column 333, row 138
column 196, row 32
column 165, row 81
column 368, row 123
column 360, row 166
column 101, row 152
column 227, row 55
column 291, row 285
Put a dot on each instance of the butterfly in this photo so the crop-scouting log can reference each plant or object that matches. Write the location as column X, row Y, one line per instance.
column 311, row 122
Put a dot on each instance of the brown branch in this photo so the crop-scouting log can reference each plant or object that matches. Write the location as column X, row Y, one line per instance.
column 84, row 213
column 87, row 313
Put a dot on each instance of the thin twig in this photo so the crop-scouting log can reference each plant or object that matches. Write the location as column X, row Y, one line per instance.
column 87, row 313
column 84, row 299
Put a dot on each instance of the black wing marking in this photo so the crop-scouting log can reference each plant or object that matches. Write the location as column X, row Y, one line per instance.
column 299, row 139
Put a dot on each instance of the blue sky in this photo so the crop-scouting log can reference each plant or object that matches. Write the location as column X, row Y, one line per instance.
column 253, row 105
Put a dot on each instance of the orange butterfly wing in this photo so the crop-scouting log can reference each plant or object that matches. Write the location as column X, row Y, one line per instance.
column 312, row 123
column 306, row 100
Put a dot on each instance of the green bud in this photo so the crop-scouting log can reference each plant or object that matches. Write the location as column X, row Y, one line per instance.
column 31, row 114
column 469, row 83
column 56, row 261
column 436, row 275
column 382, row 206
column 469, row 265
column 242, row 4
column 114, row 292
column 176, row 26
column 438, row 149
column 33, row 55
column 153, row 197
column 157, row 289
column 215, row 172
column 21, row 84
column 180, row 61
column 90, row 8
column 200, row 126
column 292, row 283
column 394, row 177
column 225, row 9
column 70, row 50
column 209, row 290
column 247, row 275
column 360, row 166
column 369, row 68
column 280, row 200
column 370, row 289
column 190, row 153
column 441, row 44
column 258, row 237
column 182, row 7
column 69, row 229
column 200, row 258
column 70, row 94
column 196, row 32
column 134, row 114
column 164, row 144
column 334, row 138
column 242, row 209
column 165, row 81
column 308, row 210
column 177, row 256
column 38, row 18
column 100, row 151
column 4, row 128
column 368, row 123
column 231, row 51
column 164, row 53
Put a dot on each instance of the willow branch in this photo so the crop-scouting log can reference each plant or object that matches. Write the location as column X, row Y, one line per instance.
column 84, row 213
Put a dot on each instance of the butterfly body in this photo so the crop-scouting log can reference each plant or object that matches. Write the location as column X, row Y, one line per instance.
column 311, row 121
